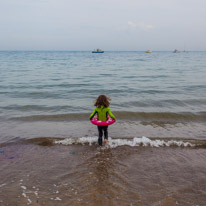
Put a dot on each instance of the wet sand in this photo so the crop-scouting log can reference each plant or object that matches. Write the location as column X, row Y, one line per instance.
column 40, row 173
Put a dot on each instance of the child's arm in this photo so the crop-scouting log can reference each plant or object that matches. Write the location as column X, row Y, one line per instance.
column 110, row 114
column 93, row 113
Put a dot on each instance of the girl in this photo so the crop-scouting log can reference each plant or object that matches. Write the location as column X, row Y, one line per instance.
column 102, row 110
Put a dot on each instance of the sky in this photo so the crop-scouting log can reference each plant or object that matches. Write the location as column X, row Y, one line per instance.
column 112, row 25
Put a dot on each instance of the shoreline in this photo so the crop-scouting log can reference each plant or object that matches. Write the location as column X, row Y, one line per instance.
column 15, row 130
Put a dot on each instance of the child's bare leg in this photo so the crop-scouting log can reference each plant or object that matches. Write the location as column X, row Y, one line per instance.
column 105, row 134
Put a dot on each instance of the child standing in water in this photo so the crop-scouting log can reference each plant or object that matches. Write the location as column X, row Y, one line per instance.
column 102, row 110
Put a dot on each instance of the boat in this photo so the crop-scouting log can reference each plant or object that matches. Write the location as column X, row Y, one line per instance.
column 148, row 51
column 176, row 51
column 184, row 49
column 97, row 51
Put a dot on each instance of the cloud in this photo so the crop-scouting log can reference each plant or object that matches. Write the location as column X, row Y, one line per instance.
column 146, row 26
column 132, row 24
column 140, row 25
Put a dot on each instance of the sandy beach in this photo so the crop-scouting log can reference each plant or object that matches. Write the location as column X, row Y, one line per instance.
column 40, row 172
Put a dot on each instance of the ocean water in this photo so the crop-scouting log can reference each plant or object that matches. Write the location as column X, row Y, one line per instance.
column 48, row 147
column 41, row 83
column 50, row 88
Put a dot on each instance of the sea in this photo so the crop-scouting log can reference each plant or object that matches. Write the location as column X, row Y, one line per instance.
column 156, row 154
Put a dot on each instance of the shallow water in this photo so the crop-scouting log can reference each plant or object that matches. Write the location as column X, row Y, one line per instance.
column 88, row 175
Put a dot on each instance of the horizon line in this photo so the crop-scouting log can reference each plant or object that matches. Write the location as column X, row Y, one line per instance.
column 64, row 50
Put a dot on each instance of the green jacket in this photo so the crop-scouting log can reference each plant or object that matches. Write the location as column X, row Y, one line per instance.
column 102, row 113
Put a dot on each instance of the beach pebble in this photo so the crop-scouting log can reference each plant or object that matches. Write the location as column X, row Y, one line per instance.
column 2, row 185
column 57, row 198
column 23, row 187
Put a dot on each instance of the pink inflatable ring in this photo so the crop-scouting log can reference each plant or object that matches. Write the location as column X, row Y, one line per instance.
column 97, row 122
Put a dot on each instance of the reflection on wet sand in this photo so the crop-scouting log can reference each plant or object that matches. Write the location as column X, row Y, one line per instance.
column 88, row 175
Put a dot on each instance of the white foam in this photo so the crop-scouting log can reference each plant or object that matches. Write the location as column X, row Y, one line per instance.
column 136, row 141
column 144, row 141
column 82, row 140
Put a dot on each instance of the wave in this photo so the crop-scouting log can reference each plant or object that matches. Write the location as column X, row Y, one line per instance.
column 132, row 116
column 36, row 108
column 117, row 142
column 135, row 142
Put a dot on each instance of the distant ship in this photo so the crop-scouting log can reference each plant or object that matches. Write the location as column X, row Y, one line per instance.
column 176, row 51
column 148, row 51
column 98, row 51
